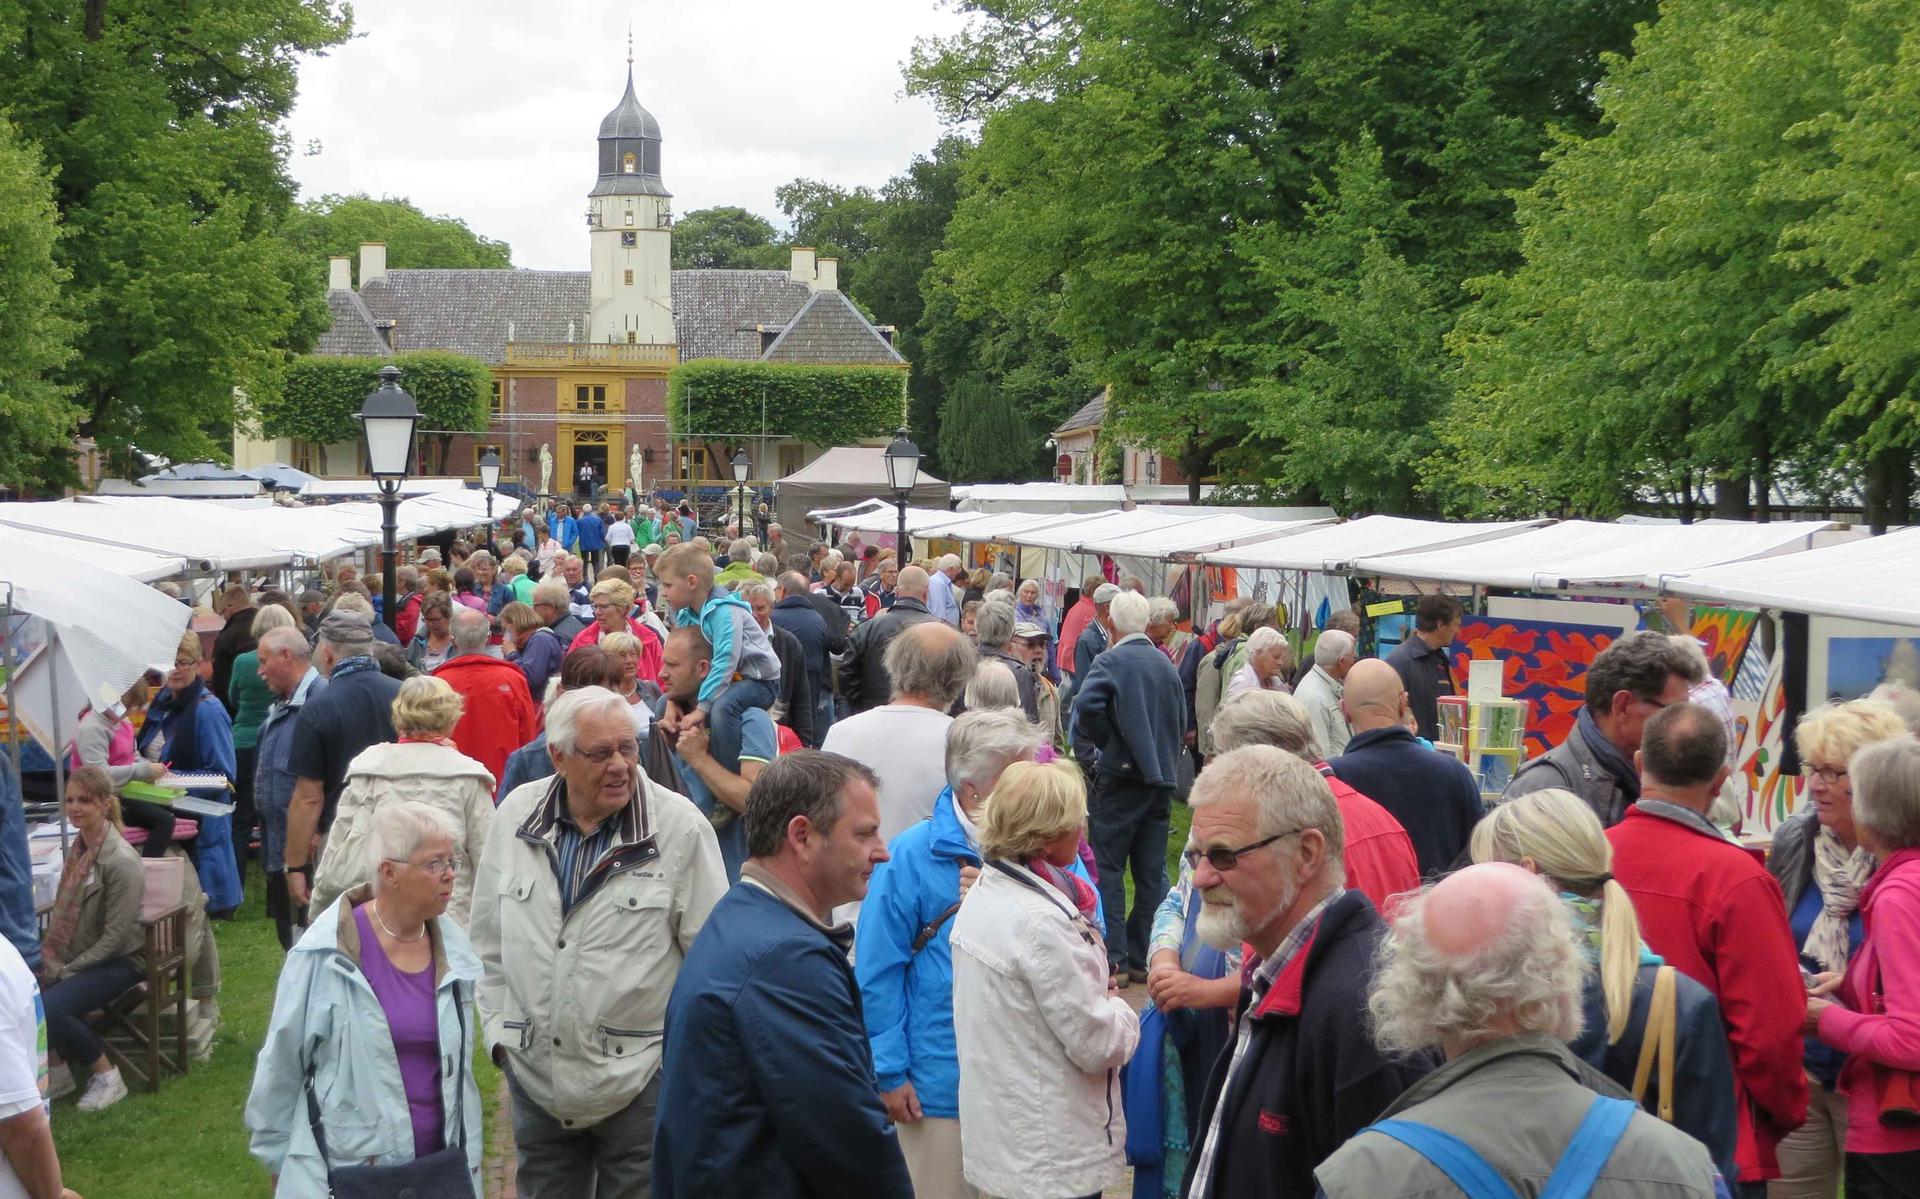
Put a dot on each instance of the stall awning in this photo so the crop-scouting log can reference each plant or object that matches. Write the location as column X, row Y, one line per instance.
column 142, row 566
column 1330, row 547
column 1580, row 554
column 1000, row 526
column 1193, row 537
column 1872, row 578
column 919, row 520
column 205, row 544
column 1106, row 527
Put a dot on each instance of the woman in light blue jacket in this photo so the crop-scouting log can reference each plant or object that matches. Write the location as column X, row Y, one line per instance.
column 374, row 1005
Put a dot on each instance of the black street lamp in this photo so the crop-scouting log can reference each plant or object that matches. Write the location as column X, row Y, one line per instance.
column 903, row 471
column 489, row 478
column 742, row 465
column 387, row 420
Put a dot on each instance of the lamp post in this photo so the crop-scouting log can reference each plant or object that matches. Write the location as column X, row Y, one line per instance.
column 903, row 471
column 387, row 420
column 741, row 466
column 489, row 478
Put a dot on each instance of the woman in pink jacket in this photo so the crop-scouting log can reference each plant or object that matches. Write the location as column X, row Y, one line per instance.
column 1874, row 1015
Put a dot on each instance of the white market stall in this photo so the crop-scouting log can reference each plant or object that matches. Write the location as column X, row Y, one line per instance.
column 1160, row 555
column 844, row 476
column 1871, row 578
column 204, row 546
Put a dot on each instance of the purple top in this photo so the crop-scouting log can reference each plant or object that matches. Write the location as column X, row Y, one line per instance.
column 413, row 1015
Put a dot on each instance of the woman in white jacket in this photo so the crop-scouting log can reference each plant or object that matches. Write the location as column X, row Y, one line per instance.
column 422, row 765
column 1041, row 1033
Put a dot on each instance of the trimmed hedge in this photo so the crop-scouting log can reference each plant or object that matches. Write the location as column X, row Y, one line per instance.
column 825, row 405
column 322, row 395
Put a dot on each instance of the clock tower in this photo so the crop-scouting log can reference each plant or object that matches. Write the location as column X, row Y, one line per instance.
column 629, row 217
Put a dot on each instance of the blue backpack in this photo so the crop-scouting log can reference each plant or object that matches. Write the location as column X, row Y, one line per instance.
column 1606, row 1122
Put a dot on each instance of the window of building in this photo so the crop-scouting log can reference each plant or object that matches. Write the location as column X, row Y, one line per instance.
column 497, row 405
column 693, row 463
column 627, row 163
column 629, row 278
column 480, row 451
column 590, row 398
column 629, row 240
column 629, row 216
column 305, row 454
column 632, row 337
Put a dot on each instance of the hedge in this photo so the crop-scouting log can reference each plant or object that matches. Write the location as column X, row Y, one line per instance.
column 825, row 405
column 322, row 395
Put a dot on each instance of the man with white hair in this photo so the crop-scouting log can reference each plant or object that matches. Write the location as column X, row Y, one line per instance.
column 1334, row 653
column 1302, row 1076
column 941, row 600
column 1128, row 716
column 1488, row 965
column 993, row 633
column 587, row 898
column 902, row 959
column 1269, row 659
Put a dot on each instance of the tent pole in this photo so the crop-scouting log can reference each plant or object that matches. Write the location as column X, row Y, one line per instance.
column 13, row 705
column 59, row 751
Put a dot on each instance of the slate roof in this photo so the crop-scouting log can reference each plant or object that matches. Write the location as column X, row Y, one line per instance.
column 628, row 119
column 352, row 334
column 830, row 329
column 717, row 314
column 1088, row 417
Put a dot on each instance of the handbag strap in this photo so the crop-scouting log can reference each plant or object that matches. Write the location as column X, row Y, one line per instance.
column 1658, row 1041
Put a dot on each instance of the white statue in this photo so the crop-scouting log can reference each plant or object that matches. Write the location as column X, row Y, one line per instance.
column 546, row 467
column 634, row 459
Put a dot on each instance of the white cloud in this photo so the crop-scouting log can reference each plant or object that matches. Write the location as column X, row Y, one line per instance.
column 487, row 110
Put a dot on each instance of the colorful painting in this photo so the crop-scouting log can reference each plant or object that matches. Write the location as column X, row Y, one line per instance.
column 1772, row 794
column 1724, row 634
column 1856, row 665
column 1546, row 665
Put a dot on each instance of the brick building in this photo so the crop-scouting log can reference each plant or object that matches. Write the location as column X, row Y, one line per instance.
column 580, row 359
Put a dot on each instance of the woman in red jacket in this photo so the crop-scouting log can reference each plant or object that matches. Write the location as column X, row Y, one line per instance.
column 1874, row 1016
column 612, row 599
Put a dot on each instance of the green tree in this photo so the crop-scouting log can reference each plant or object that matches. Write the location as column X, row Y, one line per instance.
column 162, row 127
column 726, row 238
column 983, row 438
column 339, row 225
column 838, row 222
column 36, row 418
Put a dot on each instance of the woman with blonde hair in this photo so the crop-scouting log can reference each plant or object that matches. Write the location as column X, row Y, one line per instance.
column 1823, row 871
column 1553, row 833
column 1041, row 1033
column 639, row 693
column 424, row 767
column 612, row 601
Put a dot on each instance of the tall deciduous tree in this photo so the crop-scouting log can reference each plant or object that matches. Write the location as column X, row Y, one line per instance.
column 36, row 418
column 726, row 238
column 340, row 225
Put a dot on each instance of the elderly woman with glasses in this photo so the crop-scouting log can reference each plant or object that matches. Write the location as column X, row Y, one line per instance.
column 188, row 729
column 421, row 767
column 368, row 1059
column 1040, row 1030
column 1824, row 869
column 612, row 601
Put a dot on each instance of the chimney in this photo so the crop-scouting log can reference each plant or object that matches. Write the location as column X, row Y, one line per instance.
column 340, row 273
column 827, row 276
column 802, row 270
column 373, row 261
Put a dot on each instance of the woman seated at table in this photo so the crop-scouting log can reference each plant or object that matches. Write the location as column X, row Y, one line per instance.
column 375, row 1001
column 188, row 729
column 92, row 951
column 105, row 738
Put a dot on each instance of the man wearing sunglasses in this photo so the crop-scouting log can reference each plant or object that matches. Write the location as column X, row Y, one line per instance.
column 1302, row 1075
column 1628, row 682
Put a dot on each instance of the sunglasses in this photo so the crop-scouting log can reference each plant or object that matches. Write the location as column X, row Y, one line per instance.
column 1223, row 859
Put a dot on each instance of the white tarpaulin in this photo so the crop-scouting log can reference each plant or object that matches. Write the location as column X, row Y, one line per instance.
column 1331, row 547
column 300, row 538
column 106, row 630
column 1072, row 535
column 999, row 526
column 1191, row 537
column 887, row 520
column 1575, row 554
column 328, row 489
column 1872, row 578
column 141, row 566
column 201, row 542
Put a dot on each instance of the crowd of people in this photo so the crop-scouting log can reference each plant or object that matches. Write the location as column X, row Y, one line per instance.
column 827, row 873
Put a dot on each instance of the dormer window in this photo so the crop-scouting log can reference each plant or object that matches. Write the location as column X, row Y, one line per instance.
column 627, row 163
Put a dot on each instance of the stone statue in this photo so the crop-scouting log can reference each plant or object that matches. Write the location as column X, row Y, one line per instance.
column 546, row 467
column 634, row 460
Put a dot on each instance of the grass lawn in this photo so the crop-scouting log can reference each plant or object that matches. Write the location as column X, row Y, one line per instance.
column 188, row 1141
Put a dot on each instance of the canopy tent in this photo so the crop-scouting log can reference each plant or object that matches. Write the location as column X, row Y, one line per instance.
column 333, row 489
column 920, row 521
column 1872, row 578
column 105, row 630
column 1196, row 536
column 196, row 471
column 300, row 540
column 186, row 489
column 1330, row 547
column 999, row 526
column 205, row 544
column 1065, row 497
column 1587, row 555
column 1074, row 534
column 281, row 477
column 142, row 566
column 828, row 515
column 847, row 475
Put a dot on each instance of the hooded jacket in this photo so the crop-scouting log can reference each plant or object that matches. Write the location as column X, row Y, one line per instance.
column 500, row 714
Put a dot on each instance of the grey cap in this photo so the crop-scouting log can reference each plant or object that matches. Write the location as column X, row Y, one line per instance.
column 650, row 550
column 348, row 630
column 312, row 596
column 1104, row 593
column 1026, row 630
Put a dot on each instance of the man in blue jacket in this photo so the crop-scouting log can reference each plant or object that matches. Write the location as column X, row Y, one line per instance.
column 593, row 539
column 768, row 1087
column 1128, row 716
column 796, row 614
column 902, row 958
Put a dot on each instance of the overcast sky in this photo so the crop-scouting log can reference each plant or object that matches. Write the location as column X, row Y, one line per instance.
column 487, row 110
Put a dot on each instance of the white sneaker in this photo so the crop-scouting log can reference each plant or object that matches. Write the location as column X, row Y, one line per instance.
column 59, row 1082
column 103, row 1091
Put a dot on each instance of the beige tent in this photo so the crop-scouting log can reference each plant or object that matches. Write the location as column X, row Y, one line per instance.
column 845, row 476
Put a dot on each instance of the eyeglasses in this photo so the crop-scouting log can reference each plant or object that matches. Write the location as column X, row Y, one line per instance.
column 606, row 607
column 629, row 750
column 1223, row 859
column 440, row 866
column 1829, row 777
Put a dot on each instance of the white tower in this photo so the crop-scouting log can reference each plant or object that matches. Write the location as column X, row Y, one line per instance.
column 630, row 214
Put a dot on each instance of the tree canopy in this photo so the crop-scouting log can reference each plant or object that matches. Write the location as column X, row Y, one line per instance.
column 726, row 238
column 338, row 226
